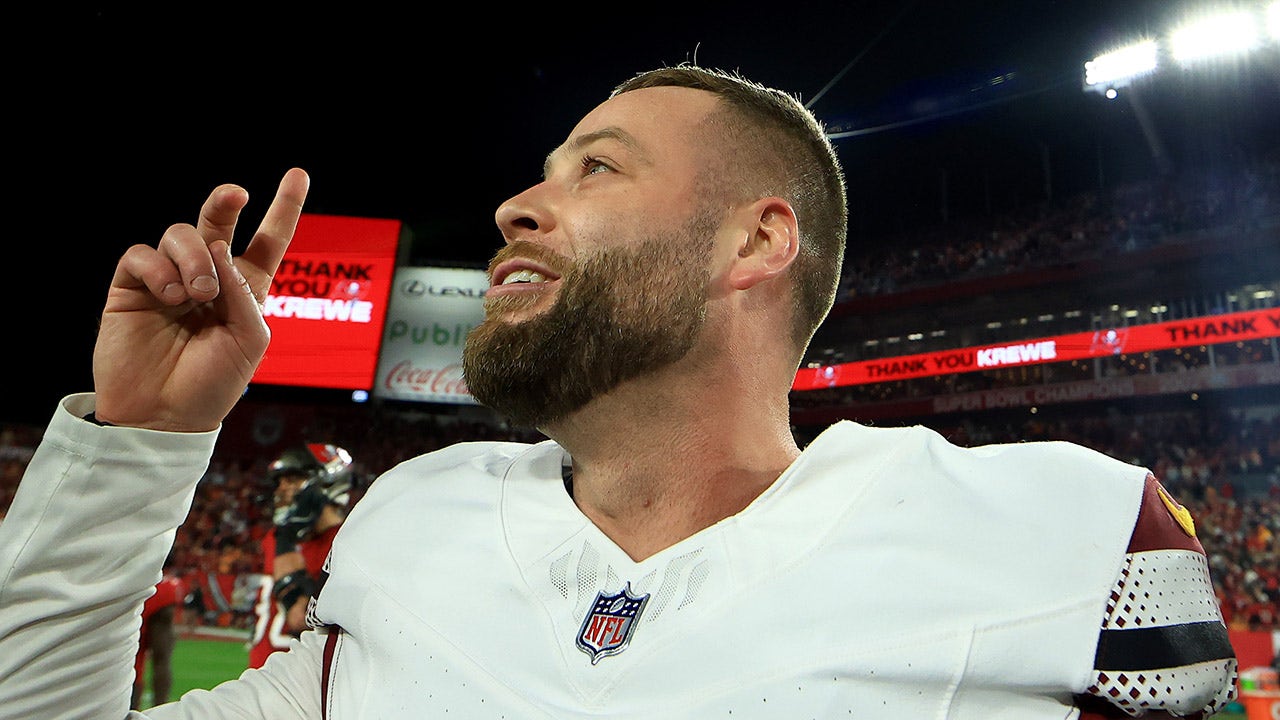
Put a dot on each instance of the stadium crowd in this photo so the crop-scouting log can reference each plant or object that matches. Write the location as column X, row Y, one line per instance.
column 1094, row 224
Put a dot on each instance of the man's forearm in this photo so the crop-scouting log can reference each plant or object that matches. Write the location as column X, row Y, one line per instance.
column 80, row 550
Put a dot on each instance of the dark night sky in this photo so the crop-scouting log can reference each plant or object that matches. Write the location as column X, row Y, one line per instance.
column 122, row 122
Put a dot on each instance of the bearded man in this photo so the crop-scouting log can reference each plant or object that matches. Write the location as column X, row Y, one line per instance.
column 670, row 551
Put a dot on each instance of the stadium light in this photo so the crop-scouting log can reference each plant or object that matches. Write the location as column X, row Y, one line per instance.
column 1229, row 33
column 1115, row 69
column 1221, row 34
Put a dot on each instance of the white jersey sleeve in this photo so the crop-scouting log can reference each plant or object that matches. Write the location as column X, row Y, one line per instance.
column 81, row 548
column 1164, row 647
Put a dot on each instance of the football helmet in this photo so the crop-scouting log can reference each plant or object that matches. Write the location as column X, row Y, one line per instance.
column 328, row 468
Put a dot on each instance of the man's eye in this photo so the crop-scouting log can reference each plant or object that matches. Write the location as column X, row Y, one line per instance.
column 593, row 165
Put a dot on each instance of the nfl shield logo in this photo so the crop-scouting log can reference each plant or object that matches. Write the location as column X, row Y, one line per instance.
column 609, row 624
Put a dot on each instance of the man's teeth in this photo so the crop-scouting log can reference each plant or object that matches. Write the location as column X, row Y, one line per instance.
column 523, row 276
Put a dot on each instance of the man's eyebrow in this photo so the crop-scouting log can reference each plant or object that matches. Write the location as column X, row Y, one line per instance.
column 609, row 133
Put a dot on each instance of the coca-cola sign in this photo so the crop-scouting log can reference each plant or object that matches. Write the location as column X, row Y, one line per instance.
column 406, row 378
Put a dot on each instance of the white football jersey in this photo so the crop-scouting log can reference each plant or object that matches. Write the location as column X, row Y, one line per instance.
column 887, row 573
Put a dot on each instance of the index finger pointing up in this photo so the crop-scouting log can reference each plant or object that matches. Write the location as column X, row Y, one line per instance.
column 260, row 259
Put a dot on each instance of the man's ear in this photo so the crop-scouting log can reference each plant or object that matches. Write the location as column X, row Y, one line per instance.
column 771, row 243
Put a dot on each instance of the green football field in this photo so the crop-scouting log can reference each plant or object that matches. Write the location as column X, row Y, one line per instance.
column 205, row 663
column 199, row 663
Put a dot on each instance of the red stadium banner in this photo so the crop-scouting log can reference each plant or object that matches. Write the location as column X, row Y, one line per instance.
column 1230, row 327
column 1192, row 380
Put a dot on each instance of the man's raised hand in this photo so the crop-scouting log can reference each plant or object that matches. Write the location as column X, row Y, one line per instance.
column 182, row 332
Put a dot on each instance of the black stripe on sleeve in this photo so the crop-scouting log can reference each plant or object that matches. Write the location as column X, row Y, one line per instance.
column 1167, row 646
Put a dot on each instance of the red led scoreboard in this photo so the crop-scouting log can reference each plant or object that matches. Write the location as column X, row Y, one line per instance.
column 328, row 303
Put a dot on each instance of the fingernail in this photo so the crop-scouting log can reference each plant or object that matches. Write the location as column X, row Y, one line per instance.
column 173, row 290
column 205, row 283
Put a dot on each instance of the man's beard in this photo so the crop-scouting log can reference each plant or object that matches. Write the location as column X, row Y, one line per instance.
column 624, row 312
